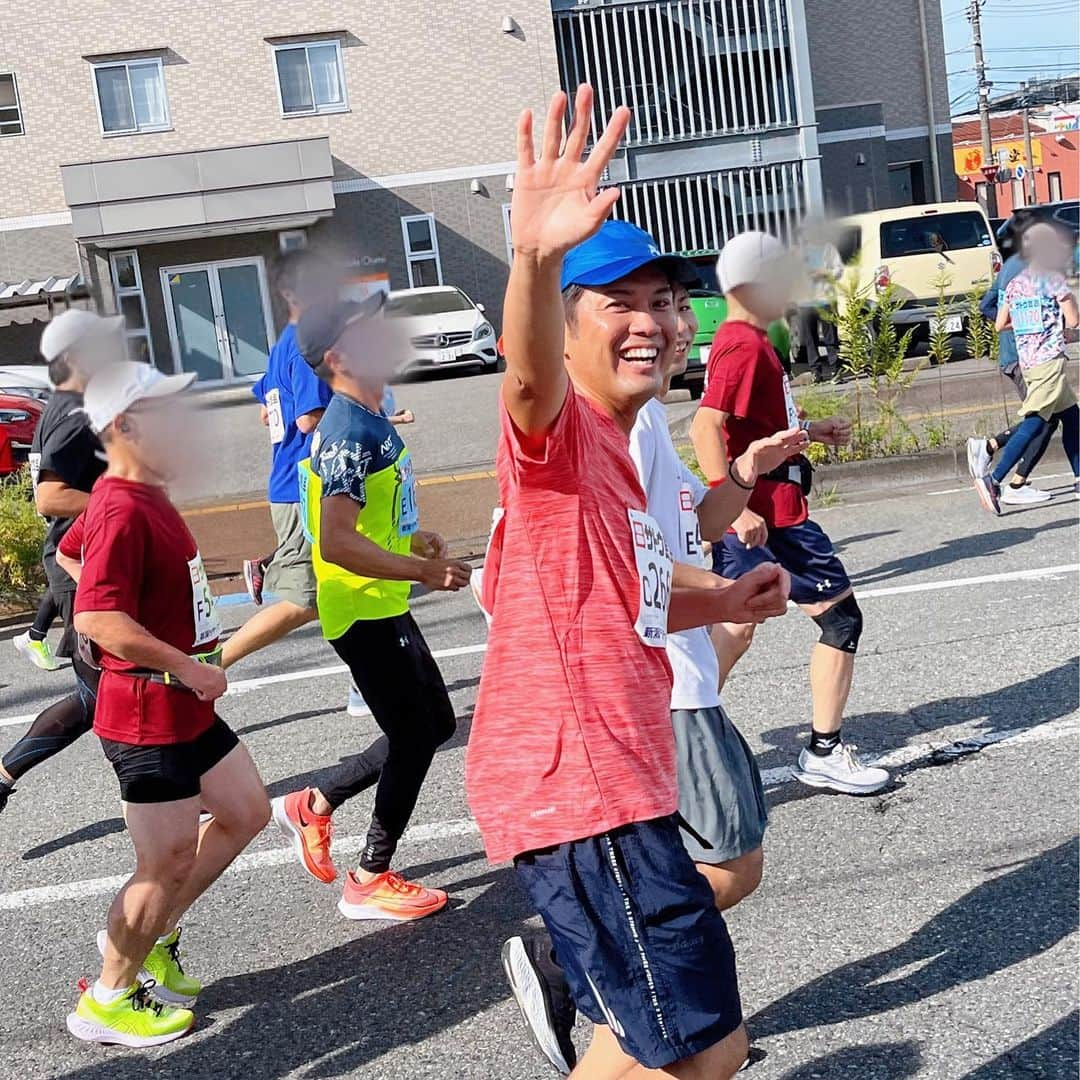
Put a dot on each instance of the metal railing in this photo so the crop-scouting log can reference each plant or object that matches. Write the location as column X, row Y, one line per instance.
column 687, row 68
column 698, row 214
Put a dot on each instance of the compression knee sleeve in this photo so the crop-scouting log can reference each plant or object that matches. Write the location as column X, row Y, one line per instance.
column 841, row 626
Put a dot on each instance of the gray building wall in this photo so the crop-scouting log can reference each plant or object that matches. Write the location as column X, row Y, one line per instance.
column 37, row 253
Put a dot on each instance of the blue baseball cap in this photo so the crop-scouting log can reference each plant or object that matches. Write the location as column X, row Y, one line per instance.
column 618, row 249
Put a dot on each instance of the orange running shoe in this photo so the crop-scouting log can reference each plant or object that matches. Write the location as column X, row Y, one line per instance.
column 389, row 896
column 310, row 833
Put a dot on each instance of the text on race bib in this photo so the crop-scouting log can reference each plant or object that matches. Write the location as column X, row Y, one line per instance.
column 789, row 404
column 654, row 563
column 34, row 461
column 690, row 528
column 407, row 512
column 1027, row 315
column 275, row 420
column 304, row 478
column 204, row 610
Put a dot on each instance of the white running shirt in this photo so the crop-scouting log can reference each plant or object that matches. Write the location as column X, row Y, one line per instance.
column 673, row 494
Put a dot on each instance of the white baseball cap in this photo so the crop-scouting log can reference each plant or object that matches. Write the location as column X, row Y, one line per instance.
column 115, row 388
column 73, row 326
column 751, row 258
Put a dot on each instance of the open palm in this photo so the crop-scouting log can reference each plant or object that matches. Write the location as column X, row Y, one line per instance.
column 557, row 203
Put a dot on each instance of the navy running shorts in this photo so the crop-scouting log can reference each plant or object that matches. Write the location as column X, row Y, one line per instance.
column 804, row 551
column 637, row 932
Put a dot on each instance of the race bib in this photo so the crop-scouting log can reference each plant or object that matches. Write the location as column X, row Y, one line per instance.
column 654, row 565
column 408, row 515
column 689, row 528
column 304, row 478
column 789, row 404
column 274, row 419
column 34, row 461
column 204, row 610
column 1027, row 315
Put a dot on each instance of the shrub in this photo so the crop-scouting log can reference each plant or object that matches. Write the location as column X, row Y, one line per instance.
column 22, row 534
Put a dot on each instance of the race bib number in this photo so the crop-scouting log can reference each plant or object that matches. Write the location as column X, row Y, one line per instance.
column 789, row 404
column 654, row 565
column 689, row 528
column 34, row 461
column 1027, row 315
column 304, row 483
column 408, row 514
column 274, row 419
column 207, row 623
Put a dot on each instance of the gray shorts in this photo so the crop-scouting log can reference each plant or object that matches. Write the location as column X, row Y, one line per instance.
column 721, row 797
column 290, row 575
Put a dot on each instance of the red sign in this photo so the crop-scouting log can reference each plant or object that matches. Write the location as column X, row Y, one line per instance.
column 991, row 171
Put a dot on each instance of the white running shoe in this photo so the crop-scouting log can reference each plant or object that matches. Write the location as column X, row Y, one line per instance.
column 39, row 653
column 357, row 704
column 841, row 771
column 978, row 458
column 1024, row 496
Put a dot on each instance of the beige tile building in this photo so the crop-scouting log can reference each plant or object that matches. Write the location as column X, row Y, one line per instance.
column 168, row 153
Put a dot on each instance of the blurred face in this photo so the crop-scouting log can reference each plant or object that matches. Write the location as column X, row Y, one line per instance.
column 619, row 340
column 369, row 351
column 165, row 436
column 93, row 353
column 686, row 328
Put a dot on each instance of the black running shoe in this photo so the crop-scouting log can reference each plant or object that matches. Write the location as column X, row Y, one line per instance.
column 542, row 994
column 6, row 790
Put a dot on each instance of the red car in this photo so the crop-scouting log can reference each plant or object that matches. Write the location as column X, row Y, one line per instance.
column 19, row 418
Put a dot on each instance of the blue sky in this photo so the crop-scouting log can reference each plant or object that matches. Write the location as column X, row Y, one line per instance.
column 1022, row 39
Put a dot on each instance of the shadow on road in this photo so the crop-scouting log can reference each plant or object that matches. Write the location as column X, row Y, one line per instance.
column 85, row 835
column 883, row 1061
column 999, row 923
column 955, row 551
column 1051, row 1053
column 334, row 1013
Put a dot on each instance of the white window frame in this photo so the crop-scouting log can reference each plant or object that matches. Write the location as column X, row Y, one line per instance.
column 421, row 256
column 292, row 240
column 18, row 109
column 126, row 64
column 129, row 290
column 315, row 110
column 1053, row 180
column 508, row 232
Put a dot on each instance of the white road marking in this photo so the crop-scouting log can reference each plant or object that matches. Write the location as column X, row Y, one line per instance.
column 1065, row 727
column 968, row 485
column 244, row 686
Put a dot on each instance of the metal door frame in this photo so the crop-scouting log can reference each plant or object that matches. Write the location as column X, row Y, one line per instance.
column 211, row 268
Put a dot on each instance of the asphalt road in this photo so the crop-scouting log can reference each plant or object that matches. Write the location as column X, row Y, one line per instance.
column 928, row 932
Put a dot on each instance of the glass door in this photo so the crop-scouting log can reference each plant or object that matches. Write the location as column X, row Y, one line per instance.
column 219, row 318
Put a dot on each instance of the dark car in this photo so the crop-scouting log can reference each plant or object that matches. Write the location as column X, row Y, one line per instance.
column 19, row 418
column 1065, row 214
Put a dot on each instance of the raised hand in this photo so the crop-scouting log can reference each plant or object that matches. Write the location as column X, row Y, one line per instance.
column 557, row 203
column 764, row 455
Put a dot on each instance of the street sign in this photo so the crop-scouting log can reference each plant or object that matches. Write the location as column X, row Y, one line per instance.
column 1018, row 172
column 990, row 172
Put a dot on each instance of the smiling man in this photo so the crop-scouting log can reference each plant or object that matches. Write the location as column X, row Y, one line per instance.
column 571, row 762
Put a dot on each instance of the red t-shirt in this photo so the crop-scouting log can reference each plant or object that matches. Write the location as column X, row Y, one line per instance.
column 572, row 734
column 746, row 380
column 139, row 558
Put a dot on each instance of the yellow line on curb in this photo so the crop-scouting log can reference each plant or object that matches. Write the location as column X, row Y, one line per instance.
column 262, row 504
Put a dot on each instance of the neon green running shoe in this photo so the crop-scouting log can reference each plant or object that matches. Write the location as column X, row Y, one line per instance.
column 39, row 653
column 162, row 970
column 135, row 1019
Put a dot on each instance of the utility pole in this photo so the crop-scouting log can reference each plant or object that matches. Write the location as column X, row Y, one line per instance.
column 1033, row 197
column 973, row 14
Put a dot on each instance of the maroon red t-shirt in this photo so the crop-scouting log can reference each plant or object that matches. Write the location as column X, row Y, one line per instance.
column 139, row 558
column 746, row 380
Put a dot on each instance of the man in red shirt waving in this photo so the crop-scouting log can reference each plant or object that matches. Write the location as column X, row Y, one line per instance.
column 747, row 396
column 571, row 761
column 144, row 602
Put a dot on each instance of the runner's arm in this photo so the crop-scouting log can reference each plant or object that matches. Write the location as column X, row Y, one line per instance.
column 758, row 595
column 556, row 206
column 119, row 634
column 54, row 498
column 309, row 421
column 1070, row 313
column 71, row 567
column 1004, row 317
column 707, row 435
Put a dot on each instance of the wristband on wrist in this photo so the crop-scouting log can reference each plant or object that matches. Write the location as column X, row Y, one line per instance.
column 804, row 425
column 735, row 479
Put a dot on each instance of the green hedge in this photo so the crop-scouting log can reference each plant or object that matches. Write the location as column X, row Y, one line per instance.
column 22, row 534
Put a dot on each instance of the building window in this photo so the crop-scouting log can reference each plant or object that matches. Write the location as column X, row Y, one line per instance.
column 10, row 113
column 131, row 96
column 310, row 78
column 509, row 234
column 421, row 250
column 127, row 287
column 1054, row 178
column 292, row 240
